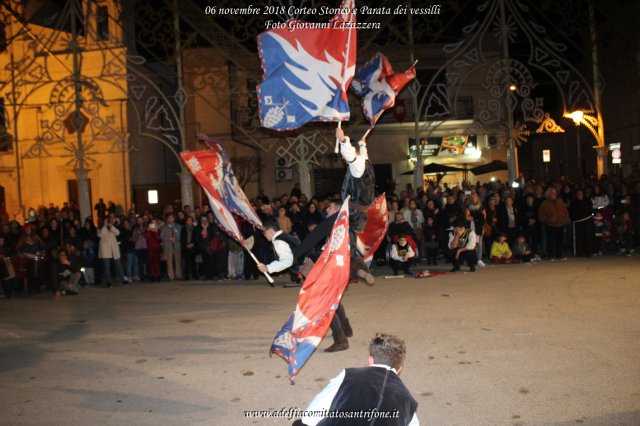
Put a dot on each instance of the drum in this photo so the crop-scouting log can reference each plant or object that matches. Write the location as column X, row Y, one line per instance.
column 6, row 268
column 36, row 267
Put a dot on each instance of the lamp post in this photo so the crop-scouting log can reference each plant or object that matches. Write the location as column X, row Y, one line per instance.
column 576, row 116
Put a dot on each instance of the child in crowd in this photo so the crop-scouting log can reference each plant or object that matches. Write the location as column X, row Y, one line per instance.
column 521, row 250
column 401, row 255
column 431, row 241
column 500, row 250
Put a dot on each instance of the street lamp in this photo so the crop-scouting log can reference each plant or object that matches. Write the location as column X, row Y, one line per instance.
column 576, row 116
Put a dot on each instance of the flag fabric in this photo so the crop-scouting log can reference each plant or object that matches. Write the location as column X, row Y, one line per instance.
column 376, row 228
column 318, row 300
column 376, row 83
column 232, row 194
column 207, row 167
column 307, row 68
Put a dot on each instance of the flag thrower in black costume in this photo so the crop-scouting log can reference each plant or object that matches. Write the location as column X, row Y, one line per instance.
column 359, row 182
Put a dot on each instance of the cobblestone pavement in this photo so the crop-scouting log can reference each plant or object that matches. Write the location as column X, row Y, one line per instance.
column 553, row 343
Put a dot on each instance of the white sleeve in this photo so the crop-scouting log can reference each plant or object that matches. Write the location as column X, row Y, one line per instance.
column 323, row 400
column 347, row 150
column 394, row 253
column 451, row 237
column 357, row 166
column 471, row 242
column 285, row 257
column 410, row 253
column 356, row 161
column 414, row 420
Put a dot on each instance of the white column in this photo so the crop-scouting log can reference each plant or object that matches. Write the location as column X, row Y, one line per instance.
column 84, row 199
column 186, row 188
column 305, row 178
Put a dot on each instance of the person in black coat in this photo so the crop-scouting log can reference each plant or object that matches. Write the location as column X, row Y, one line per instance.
column 529, row 222
column 204, row 234
column 581, row 214
column 189, row 249
column 376, row 388
column 508, row 220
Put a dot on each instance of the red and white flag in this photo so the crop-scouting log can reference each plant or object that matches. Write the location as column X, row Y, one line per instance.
column 207, row 167
column 376, row 228
column 318, row 300
column 232, row 193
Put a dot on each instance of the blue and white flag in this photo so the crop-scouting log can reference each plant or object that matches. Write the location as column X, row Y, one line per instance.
column 307, row 68
column 376, row 83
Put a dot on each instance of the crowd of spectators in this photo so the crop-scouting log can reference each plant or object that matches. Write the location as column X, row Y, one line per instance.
column 533, row 221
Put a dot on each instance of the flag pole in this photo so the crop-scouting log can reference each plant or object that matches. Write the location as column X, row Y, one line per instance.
column 364, row 137
column 266, row 274
column 344, row 68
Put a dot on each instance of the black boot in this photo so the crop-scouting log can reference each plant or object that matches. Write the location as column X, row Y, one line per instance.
column 340, row 343
column 348, row 331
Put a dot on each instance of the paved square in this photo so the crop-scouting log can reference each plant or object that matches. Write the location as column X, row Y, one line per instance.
column 549, row 343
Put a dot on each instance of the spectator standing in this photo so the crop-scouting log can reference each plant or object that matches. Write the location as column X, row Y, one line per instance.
column 101, row 209
column 508, row 220
column 138, row 236
column 283, row 220
column 413, row 215
column 152, row 237
column 189, row 249
column 529, row 222
column 236, row 260
column 431, row 241
column 88, row 262
column 296, row 191
column 204, row 235
column 581, row 214
column 109, row 252
column 171, row 248
column 554, row 215
column 128, row 252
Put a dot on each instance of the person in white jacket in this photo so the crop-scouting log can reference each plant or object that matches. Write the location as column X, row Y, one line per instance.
column 109, row 252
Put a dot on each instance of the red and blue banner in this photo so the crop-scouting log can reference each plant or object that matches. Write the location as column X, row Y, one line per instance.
column 232, row 194
column 307, row 68
column 376, row 83
column 376, row 228
column 318, row 300
column 207, row 167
